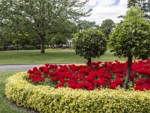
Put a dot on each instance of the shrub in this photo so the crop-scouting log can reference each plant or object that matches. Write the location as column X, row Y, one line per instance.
column 90, row 44
column 46, row 99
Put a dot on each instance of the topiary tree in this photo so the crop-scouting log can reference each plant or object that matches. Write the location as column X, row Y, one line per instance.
column 90, row 44
column 131, row 38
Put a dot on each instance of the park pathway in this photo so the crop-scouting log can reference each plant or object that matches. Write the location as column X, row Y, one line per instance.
column 21, row 67
column 4, row 68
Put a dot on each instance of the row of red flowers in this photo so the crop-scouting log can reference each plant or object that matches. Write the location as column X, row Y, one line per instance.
column 98, row 75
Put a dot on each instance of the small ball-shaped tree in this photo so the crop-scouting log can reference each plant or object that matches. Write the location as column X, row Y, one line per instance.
column 131, row 38
column 90, row 44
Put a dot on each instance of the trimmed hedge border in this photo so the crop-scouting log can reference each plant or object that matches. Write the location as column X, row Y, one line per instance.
column 46, row 99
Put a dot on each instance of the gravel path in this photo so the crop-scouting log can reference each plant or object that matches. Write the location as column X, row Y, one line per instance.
column 16, row 67
column 24, row 67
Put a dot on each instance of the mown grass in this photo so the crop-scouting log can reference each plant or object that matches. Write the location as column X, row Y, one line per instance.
column 5, row 106
column 51, row 56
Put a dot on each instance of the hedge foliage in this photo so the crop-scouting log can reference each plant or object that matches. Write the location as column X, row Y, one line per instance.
column 46, row 99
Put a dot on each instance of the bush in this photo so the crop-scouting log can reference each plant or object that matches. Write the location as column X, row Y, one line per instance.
column 90, row 44
column 46, row 99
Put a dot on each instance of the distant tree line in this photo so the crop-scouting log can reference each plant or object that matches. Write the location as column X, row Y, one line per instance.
column 34, row 22
column 29, row 24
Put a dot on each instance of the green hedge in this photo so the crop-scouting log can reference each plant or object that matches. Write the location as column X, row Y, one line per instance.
column 46, row 99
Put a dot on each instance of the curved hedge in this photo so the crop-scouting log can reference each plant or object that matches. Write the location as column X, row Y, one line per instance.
column 46, row 99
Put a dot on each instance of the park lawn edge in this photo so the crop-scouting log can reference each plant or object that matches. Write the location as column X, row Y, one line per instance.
column 46, row 99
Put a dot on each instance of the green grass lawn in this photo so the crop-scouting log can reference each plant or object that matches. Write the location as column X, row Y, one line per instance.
column 51, row 56
column 5, row 106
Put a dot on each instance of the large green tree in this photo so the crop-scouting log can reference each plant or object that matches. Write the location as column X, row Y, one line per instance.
column 107, row 27
column 40, row 18
column 131, row 38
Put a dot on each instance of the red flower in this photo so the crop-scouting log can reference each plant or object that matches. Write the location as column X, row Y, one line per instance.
column 80, row 85
column 45, row 70
column 37, row 78
column 59, row 85
column 107, row 75
column 118, row 81
column 54, row 79
column 63, row 81
column 102, row 82
column 89, row 86
column 113, row 86
column 119, row 75
column 46, row 65
column 35, row 69
column 96, row 82
column 140, row 88
column 31, row 76
column 30, row 71
column 72, row 85
column 41, row 68
column 140, row 82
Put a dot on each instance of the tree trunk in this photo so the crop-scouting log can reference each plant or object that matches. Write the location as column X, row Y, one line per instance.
column 17, row 47
column 89, row 62
column 42, row 37
column 126, row 83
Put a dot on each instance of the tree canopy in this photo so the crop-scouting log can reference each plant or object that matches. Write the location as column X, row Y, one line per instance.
column 40, row 18
column 90, row 44
column 131, row 38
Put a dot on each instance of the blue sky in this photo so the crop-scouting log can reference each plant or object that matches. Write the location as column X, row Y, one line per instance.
column 106, row 9
column 116, row 2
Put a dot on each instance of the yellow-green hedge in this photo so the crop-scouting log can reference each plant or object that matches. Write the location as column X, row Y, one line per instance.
column 45, row 99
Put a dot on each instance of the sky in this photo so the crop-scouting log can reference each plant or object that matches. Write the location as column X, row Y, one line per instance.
column 106, row 9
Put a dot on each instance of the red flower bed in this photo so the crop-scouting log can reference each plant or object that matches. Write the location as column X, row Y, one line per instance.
column 98, row 75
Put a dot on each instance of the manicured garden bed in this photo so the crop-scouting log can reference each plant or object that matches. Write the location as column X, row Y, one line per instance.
column 82, row 89
column 98, row 75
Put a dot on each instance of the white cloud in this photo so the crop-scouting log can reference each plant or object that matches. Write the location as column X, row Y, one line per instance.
column 106, row 2
column 106, row 9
